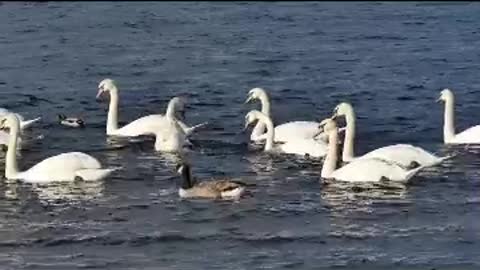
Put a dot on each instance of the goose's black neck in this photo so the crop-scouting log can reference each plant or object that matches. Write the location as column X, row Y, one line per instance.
column 187, row 177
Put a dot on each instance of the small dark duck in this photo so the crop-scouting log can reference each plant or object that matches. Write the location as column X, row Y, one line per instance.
column 71, row 121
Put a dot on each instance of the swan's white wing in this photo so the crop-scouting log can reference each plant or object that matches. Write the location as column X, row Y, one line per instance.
column 171, row 138
column 403, row 154
column 293, row 130
column 61, row 167
column 369, row 170
column 470, row 135
column 146, row 125
column 297, row 129
column 28, row 123
column 303, row 147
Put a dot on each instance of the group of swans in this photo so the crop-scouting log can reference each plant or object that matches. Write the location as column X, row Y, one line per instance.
column 398, row 162
column 171, row 135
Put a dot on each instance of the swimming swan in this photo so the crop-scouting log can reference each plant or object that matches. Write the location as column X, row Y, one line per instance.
column 468, row 136
column 359, row 170
column 283, row 132
column 215, row 189
column 298, row 145
column 147, row 125
column 63, row 167
column 405, row 155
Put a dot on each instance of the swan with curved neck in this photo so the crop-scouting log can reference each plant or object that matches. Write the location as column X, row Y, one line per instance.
column 147, row 125
column 64, row 167
column 405, row 155
column 298, row 146
column 468, row 136
column 359, row 170
column 283, row 132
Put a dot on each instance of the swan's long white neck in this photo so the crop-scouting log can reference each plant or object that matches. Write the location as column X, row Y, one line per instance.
column 259, row 128
column 449, row 121
column 112, row 118
column 348, row 144
column 265, row 119
column 170, row 114
column 330, row 162
column 265, row 101
column 11, row 168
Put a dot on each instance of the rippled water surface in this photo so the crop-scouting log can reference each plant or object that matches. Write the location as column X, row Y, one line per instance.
column 390, row 60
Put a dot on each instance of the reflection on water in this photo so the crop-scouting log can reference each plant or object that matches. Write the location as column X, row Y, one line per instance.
column 338, row 194
column 51, row 192
column 69, row 191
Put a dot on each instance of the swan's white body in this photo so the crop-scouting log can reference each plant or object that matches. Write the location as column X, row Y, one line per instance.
column 360, row 170
column 296, row 145
column 63, row 167
column 23, row 123
column 147, row 125
column 284, row 132
column 404, row 155
column 468, row 136
column 171, row 138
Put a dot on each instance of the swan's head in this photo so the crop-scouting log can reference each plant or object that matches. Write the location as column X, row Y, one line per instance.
column 178, row 104
column 343, row 108
column 9, row 121
column 256, row 93
column 328, row 125
column 251, row 118
column 445, row 95
column 106, row 85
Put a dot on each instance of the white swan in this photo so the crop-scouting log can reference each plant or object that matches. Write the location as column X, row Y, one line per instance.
column 172, row 137
column 23, row 123
column 63, row 167
column 468, row 136
column 298, row 145
column 283, row 132
column 405, row 155
column 359, row 170
column 147, row 125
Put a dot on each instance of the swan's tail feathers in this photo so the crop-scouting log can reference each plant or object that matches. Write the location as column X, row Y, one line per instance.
column 28, row 123
column 413, row 172
column 190, row 130
column 95, row 174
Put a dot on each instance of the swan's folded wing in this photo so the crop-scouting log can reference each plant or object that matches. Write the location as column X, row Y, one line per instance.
column 402, row 154
column 296, row 129
column 369, row 170
column 93, row 174
column 470, row 135
column 147, row 125
column 303, row 147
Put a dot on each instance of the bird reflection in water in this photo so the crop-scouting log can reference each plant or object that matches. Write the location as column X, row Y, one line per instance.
column 69, row 191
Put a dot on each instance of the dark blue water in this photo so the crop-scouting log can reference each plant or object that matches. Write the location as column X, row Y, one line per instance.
column 390, row 60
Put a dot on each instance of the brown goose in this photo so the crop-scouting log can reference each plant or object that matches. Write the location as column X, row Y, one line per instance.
column 215, row 189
